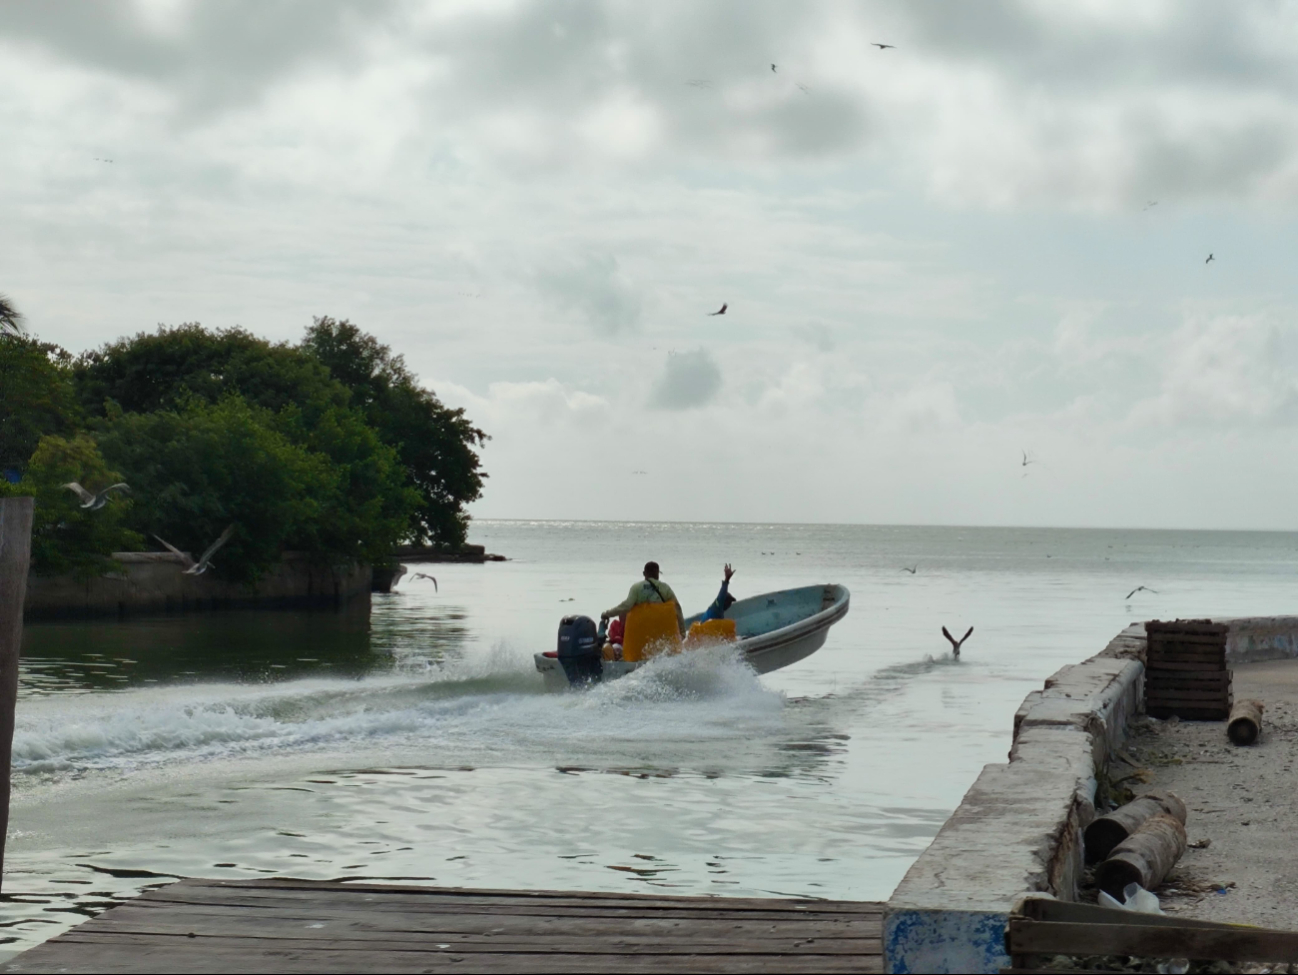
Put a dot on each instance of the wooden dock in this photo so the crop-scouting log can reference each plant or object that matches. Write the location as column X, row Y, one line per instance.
column 305, row 926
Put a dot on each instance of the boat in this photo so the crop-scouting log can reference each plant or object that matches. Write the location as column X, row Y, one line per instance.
column 769, row 631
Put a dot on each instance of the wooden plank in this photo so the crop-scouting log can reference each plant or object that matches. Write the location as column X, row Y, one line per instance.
column 1234, row 944
column 1048, row 909
column 1164, row 666
column 1190, row 681
column 317, row 887
column 234, row 958
column 1184, row 695
column 1165, row 631
column 1195, row 641
column 474, row 925
column 1178, row 648
column 199, row 926
column 559, row 943
column 574, row 908
column 338, row 924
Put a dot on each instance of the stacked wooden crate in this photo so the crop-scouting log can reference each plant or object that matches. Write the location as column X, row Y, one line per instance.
column 1185, row 670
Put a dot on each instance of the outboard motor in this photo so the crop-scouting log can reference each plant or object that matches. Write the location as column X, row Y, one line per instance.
column 581, row 650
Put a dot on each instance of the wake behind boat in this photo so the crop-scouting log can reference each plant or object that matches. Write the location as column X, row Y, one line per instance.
column 770, row 631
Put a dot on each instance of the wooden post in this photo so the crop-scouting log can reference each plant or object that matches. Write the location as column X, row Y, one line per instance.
column 1103, row 834
column 1144, row 857
column 15, row 560
column 1245, row 722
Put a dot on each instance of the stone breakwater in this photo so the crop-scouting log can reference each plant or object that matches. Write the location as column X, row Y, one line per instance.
column 154, row 582
column 1018, row 829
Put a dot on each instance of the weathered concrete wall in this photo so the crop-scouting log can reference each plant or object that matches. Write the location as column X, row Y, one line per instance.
column 1252, row 638
column 154, row 582
column 1018, row 829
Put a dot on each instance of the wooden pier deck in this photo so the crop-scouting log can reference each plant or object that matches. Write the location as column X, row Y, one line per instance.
column 305, row 926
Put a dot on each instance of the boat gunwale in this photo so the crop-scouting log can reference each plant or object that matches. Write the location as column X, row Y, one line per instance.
column 825, row 618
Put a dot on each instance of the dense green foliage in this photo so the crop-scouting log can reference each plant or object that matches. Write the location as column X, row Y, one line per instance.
column 66, row 537
column 36, row 397
column 212, row 428
column 435, row 443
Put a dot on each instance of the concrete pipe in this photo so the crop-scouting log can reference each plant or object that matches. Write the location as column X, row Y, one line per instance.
column 1245, row 722
column 1144, row 857
column 1103, row 834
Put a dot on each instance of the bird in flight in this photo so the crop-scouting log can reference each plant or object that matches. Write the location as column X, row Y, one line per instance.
column 882, row 47
column 425, row 575
column 1026, row 459
column 719, row 311
column 99, row 159
column 1151, row 204
column 912, row 569
column 1210, row 258
column 1141, row 589
column 803, row 88
column 95, row 501
column 956, row 644
column 204, row 563
column 699, row 83
column 773, row 69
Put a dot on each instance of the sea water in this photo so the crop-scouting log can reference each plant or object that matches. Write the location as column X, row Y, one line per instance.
column 415, row 744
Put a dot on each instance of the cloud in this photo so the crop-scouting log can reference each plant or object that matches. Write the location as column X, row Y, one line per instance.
column 596, row 287
column 1223, row 371
column 1017, row 102
column 689, row 380
column 816, row 334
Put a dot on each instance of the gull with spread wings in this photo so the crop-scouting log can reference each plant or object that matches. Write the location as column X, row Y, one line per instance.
column 95, row 501
column 193, row 568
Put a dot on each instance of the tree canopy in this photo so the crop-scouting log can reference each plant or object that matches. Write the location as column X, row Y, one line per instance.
column 331, row 447
column 435, row 443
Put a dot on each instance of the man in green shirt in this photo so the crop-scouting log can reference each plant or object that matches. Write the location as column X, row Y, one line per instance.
column 650, row 590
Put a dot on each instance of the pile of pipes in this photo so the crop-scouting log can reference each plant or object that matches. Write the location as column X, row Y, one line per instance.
column 1137, row 843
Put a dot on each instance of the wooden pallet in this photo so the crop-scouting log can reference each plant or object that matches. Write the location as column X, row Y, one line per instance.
column 1041, row 929
column 1185, row 670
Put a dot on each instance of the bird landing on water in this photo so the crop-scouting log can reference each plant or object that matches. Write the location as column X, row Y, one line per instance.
column 956, row 644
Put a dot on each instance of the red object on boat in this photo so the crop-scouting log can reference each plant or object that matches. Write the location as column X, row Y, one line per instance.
column 615, row 630
column 550, row 653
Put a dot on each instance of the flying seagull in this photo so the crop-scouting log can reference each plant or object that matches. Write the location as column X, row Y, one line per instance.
column 1026, row 459
column 1151, row 204
column 803, row 88
column 425, row 575
column 1210, row 258
column 95, row 501
column 1141, row 589
column 956, row 644
column 882, row 47
column 204, row 563
column 773, row 69
column 911, row 569
column 720, row 311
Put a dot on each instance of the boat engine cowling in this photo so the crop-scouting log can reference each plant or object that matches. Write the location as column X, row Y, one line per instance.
column 581, row 651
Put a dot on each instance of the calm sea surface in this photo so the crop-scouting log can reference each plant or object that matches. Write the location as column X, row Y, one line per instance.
column 415, row 744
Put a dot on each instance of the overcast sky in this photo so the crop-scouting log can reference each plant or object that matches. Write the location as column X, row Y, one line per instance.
column 987, row 240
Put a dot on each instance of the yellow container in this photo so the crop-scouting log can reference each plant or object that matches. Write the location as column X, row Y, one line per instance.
column 706, row 632
column 650, row 629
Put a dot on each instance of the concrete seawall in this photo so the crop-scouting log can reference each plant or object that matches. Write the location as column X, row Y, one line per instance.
column 1018, row 829
column 153, row 582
